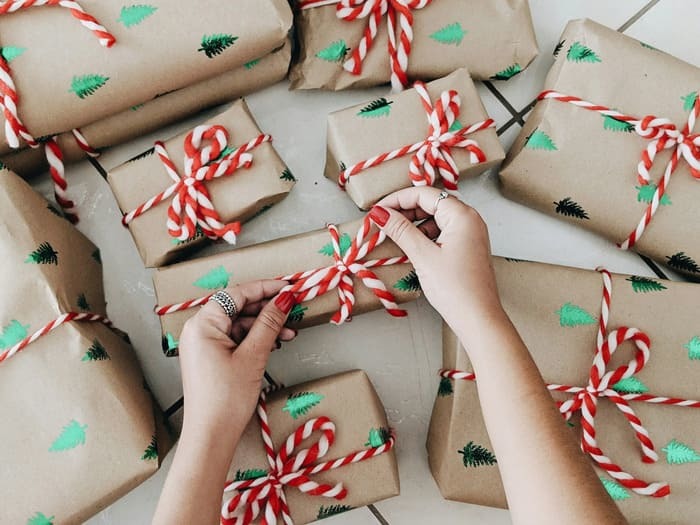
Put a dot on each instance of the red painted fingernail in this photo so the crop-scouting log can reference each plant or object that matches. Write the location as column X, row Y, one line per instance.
column 379, row 215
column 285, row 301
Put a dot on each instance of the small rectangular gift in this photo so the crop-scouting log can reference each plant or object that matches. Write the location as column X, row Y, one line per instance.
column 364, row 43
column 434, row 131
column 330, row 437
column 333, row 273
column 80, row 428
column 570, row 320
column 198, row 185
column 621, row 155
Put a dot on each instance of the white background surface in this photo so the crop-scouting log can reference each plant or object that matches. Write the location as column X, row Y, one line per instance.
column 401, row 356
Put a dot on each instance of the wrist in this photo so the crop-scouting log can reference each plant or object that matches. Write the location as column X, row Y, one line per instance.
column 473, row 323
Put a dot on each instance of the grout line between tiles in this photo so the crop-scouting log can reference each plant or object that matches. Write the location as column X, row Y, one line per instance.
column 494, row 91
column 639, row 14
column 377, row 515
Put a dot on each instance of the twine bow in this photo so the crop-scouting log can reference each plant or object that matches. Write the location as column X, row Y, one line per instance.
column 207, row 157
column 432, row 157
column 290, row 467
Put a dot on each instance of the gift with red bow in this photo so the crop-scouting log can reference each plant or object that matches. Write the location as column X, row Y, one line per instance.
column 314, row 450
column 425, row 136
column 619, row 354
column 619, row 156
column 360, row 43
column 333, row 273
column 199, row 185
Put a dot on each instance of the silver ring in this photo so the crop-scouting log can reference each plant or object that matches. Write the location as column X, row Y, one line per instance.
column 226, row 302
column 443, row 195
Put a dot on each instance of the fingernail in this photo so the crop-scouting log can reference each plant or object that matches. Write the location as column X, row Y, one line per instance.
column 379, row 215
column 285, row 301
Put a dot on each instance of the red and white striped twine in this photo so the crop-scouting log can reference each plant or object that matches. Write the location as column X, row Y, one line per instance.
column 313, row 283
column 600, row 385
column 374, row 10
column 289, row 468
column 432, row 157
column 662, row 134
column 60, row 320
column 9, row 98
column 83, row 144
column 191, row 205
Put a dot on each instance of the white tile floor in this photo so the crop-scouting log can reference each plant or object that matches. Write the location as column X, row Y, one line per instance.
column 403, row 357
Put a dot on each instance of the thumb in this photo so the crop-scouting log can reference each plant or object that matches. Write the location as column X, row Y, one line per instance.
column 266, row 329
column 403, row 232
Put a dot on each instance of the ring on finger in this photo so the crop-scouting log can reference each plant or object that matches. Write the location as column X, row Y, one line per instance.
column 226, row 302
column 443, row 195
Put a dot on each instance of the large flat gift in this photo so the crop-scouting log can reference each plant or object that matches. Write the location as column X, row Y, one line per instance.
column 200, row 184
column 432, row 134
column 365, row 43
column 330, row 447
column 80, row 428
column 651, row 375
column 333, row 273
column 619, row 156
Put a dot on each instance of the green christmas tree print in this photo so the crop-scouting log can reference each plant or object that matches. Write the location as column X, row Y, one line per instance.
column 136, row 107
column 83, row 302
column 135, row 14
column 344, row 242
column 647, row 46
column 72, row 435
column 474, row 455
column 40, row 519
column 300, row 403
column 630, row 385
column 569, row 208
column 646, row 194
column 580, row 53
column 572, row 315
column 540, row 140
column 96, row 352
column 445, row 389
column 213, row 45
column 613, row 124
column 86, row 85
column 689, row 100
column 377, row 437
column 409, row 283
column 142, row 155
column 616, row 491
column 169, row 344
column 335, row 52
column 297, row 314
column 97, row 256
column 332, row 510
column 678, row 453
column 214, row 279
column 12, row 334
column 455, row 127
column 288, row 175
column 508, row 72
column 198, row 234
column 681, row 261
column 450, row 34
column 44, row 254
column 253, row 473
column 693, row 347
column 645, row 284
column 9, row 53
column 251, row 64
column 377, row 108
column 558, row 48
column 151, row 452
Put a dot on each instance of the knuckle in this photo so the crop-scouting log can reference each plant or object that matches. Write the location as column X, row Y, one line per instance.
column 271, row 320
column 399, row 228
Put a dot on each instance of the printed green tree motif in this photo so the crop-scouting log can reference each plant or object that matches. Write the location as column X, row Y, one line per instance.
column 169, row 344
column 613, row 124
column 288, row 175
column 693, row 348
column 450, row 34
column 332, row 510
column 569, row 208
column 513, row 259
column 344, row 243
column 455, row 127
column 72, row 435
column 97, row 256
column 681, row 261
column 678, row 453
column 44, row 254
column 646, row 194
column 251, row 64
column 297, row 314
column 83, row 302
column 474, row 455
column 445, row 389
column 213, row 45
column 689, row 100
column 580, row 53
column 508, row 72
column 96, row 352
column 630, row 385
column 377, row 437
column 377, row 108
column 136, row 107
column 143, row 155
column 342, row 166
column 300, row 403
column 253, row 473
column 12, row 334
column 151, row 452
column 9, row 53
column 85, row 85
column 335, row 52
column 540, row 140
column 572, row 315
column 135, row 14
column 558, row 48
column 214, row 279
column 40, row 519
column 409, row 283
column 645, row 284
column 617, row 492
column 647, row 46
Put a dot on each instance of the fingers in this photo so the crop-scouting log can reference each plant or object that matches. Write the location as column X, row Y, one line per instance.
column 404, row 233
column 424, row 199
column 245, row 296
column 242, row 326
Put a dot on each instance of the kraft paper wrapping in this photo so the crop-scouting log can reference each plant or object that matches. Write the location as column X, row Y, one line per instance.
column 236, row 197
column 159, row 112
column 492, row 38
column 595, row 167
column 353, row 137
column 350, row 401
column 200, row 277
column 532, row 294
column 80, row 427
column 178, row 44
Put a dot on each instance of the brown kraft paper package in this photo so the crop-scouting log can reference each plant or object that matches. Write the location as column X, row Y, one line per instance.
column 575, row 164
column 80, row 427
column 236, row 197
column 356, row 135
column 562, row 341
column 492, row 38
column 200, row 277
column 350, row 401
